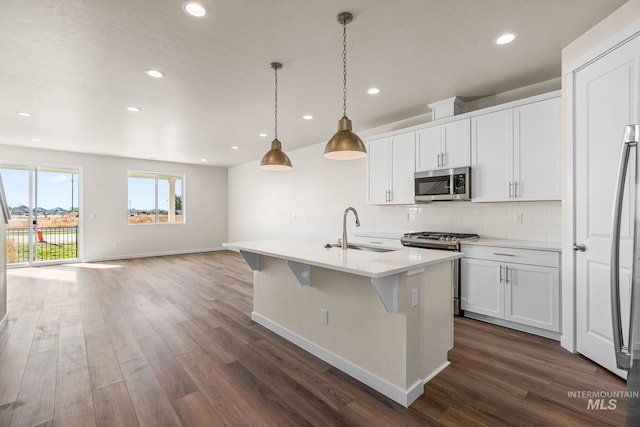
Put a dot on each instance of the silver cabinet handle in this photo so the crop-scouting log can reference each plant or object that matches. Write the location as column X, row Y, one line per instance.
column 443, row 159
column 510, row 185
column 501, row 254
column 501, row 267
column 506, row 275
column 515, row 189
column 623, row 356
column 579, row 247
column 390, row 195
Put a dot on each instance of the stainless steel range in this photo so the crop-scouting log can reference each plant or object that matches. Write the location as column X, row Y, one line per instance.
column 442, row 241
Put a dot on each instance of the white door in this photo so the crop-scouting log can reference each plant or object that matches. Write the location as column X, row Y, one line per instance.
column 482, row 290
column 456, row 144
column 491, row 156
column 403, row 162
column 532, row 296
column 379, row 153
column 605, row 100
column 537, row 152
column 428, row 149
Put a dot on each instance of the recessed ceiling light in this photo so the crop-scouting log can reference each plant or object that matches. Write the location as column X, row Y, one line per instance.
column 194, row 8
column 36, row 139
column 373, row 91
column 133, row 109
column 506, row 38
column 307, row 117
column 155, row 73
column 23, row 114
column 234, row 147
column 203, row 160
column 263, row 135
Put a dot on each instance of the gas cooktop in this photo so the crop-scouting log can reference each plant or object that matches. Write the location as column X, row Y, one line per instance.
column 437, row 239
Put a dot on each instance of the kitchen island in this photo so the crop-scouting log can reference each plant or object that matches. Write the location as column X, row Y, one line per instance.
column 385, row 318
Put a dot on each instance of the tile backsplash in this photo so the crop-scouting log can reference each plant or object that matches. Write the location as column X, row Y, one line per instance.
column 536, row 221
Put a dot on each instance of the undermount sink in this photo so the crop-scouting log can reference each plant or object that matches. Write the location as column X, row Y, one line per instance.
column 359, row 247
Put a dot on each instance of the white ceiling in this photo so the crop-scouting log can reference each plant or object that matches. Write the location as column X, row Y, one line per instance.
column 77, row 64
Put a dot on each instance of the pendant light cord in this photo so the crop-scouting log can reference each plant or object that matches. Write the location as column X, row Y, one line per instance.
column 276, row 104
column 344, row 67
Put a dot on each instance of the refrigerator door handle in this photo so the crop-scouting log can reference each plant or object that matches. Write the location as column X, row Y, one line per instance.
column 623, row 357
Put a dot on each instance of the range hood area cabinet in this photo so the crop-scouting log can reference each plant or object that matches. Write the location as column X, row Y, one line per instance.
column 516, row 154
column 391, row 168
column 444, row 146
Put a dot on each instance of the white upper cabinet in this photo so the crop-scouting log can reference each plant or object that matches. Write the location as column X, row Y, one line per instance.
column 537, row 155
column 515, row 153
column 491, row 156
column 391, row 169
column 444, row 146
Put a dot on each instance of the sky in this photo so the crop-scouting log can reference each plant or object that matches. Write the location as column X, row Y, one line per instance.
column 55, row 189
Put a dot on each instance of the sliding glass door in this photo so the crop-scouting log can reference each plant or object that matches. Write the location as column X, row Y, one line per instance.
column 44, row 222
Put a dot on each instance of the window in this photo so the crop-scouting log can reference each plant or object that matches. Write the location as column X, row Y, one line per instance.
column 155, row 198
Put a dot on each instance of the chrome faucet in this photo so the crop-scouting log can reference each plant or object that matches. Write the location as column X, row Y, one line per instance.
column 345, row 245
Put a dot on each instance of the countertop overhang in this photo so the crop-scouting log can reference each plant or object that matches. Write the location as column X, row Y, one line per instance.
column 360, row 262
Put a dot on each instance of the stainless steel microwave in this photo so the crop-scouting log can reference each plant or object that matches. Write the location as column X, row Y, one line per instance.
column 443, row 184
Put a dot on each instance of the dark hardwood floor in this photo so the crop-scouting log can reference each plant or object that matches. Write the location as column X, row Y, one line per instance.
column 168, row 341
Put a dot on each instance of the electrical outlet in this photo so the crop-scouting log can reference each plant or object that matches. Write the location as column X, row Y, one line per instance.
column 324, row 316
column 414, row 297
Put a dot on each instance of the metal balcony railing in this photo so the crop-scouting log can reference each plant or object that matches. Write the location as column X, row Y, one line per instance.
column 49, row 244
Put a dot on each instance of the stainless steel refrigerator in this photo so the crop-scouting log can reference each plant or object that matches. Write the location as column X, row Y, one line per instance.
column 627, row 349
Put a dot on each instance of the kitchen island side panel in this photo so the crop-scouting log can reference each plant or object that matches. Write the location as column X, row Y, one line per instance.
column 396, row 347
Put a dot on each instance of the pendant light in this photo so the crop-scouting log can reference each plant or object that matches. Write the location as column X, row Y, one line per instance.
column 344, row 145
column 276, row 159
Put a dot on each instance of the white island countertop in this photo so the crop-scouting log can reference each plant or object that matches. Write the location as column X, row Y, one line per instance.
column 354, row 261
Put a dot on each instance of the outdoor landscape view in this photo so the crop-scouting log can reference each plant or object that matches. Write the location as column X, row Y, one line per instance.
column 45, row 209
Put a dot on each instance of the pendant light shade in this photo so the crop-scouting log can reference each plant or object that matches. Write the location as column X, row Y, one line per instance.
column 275, row 159
column 344, row 145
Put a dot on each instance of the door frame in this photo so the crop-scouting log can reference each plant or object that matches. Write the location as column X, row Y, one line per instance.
column 568, row 339
column 31, row 166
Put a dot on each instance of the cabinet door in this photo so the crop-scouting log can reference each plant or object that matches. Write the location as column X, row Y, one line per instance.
column 532, row 296
column 537, row 152
column 379, row 154
column 456, row 144
column 481, row 290
column 428, row 149
column 491, row 156
column 403, row 162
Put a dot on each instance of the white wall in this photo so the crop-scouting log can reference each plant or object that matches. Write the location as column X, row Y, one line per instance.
column 309, row 200
column 104, row 204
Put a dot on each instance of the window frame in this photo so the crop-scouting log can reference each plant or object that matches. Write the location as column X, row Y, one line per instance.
column 157, row 176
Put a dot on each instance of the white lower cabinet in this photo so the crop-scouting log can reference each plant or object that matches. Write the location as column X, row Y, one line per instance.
column 519, row 286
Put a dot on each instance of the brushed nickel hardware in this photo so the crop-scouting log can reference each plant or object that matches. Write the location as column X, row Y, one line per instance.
column 579, row 247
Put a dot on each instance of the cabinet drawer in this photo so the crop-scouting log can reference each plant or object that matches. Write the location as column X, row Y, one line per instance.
column 512, row 255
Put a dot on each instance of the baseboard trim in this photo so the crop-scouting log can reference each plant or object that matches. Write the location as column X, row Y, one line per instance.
column 152, row 254
column 393, row 392
column 4, row 321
